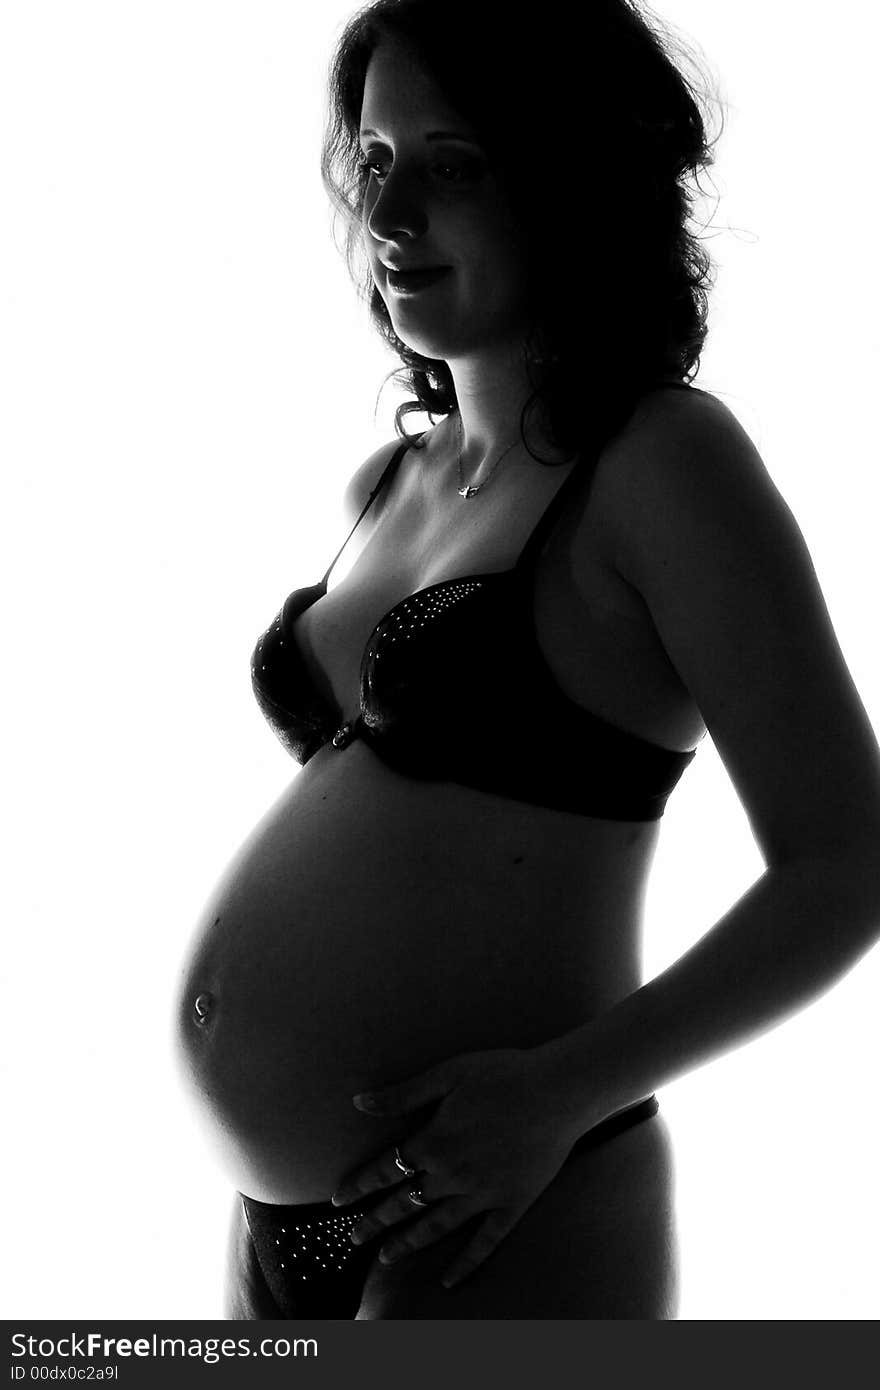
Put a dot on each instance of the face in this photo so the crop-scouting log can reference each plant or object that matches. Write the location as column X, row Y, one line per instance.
column 434, row 201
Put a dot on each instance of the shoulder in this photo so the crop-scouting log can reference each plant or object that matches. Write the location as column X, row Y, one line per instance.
column 705, row 539
column 366, row 476
column 684, row 472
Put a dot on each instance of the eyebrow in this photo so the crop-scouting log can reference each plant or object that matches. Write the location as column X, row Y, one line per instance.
column 433, row 135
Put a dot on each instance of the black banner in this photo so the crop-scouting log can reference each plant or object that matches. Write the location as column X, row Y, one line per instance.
column 334, row 1354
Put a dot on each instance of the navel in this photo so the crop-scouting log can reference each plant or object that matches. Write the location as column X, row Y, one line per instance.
column 203, row 1006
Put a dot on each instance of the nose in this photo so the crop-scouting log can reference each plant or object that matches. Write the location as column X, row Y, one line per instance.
column 397, row 210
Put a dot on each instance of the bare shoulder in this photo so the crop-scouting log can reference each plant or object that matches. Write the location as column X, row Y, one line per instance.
column 365, row 478
column 683, row 471
column 701, row 532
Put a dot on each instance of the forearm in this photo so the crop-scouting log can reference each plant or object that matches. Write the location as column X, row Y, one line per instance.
column 797, row 931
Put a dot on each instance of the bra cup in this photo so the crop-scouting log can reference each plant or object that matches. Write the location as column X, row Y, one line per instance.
column 432, row 671
column 454, row 686
column 422, row 648
column 279, row 678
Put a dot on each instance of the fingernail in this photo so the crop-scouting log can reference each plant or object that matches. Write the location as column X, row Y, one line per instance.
column 365, row 1101
column 337, row 1199
column 385, row 1258
column 355, row 1238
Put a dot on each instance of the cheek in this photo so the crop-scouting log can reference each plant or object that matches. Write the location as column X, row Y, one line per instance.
column 505, row 243
column 502, row 269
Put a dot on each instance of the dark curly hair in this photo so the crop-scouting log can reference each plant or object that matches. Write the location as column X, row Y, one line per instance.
column 595, row 134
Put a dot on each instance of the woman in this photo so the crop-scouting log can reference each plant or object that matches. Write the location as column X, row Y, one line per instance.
column 556, row 590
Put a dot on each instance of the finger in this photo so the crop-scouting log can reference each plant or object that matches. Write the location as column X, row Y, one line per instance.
column 381, row 1172
column 408, row 1095
column 489, row 1236
column 444, row 1217
column 399, row 1207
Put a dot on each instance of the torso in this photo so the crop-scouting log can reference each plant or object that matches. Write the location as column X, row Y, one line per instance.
column 373, row 924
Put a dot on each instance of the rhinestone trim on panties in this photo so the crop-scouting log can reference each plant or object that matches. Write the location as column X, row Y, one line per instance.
column 323, row 1244
column 307, row 1258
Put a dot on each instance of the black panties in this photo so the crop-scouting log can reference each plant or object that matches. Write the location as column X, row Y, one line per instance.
column 298, row 1261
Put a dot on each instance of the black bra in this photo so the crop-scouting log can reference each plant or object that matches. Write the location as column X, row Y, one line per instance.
column 454, row 687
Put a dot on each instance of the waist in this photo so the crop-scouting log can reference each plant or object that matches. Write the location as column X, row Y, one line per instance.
column 260, row 1213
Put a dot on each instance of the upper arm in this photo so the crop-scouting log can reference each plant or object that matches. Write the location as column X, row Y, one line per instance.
column 364, row 479
column 722, row 566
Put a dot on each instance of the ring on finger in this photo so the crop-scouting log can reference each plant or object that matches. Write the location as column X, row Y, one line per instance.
column 387, row 1215
column 402, row 1164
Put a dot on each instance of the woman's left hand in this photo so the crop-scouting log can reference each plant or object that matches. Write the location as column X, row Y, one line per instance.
column 495, row 1141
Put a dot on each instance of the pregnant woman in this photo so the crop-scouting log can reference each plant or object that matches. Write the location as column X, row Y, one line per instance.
column 413, row 1013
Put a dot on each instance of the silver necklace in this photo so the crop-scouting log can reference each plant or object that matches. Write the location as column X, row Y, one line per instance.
column 465, row 490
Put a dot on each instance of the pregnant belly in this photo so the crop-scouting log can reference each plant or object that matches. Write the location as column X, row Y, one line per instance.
column 353, row 942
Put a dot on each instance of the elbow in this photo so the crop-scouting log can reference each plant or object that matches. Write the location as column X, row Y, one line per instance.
column 861, row 864
column 845, row 874
column 848, row 878
column 848, row 850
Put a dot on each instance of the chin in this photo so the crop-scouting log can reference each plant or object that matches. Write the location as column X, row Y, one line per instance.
column 429, row 331
column 440, row 345
column 437, row 347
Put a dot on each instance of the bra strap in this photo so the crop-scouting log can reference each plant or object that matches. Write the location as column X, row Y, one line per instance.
column 386, row 476
column 550, row 515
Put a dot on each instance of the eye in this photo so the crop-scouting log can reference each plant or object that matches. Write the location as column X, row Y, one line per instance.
column 371, row 166
column 457, row 171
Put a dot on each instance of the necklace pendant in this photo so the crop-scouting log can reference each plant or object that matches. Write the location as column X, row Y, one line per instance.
column 468, row 492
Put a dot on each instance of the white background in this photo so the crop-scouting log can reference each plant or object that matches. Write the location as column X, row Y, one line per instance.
column 187, row 382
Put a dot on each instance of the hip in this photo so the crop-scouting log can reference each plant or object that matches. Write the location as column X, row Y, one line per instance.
column 598, row 1243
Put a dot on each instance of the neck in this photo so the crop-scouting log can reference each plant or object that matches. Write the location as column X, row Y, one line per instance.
column 491, row 390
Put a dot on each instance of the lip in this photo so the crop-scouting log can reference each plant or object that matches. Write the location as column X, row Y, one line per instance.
column 404, row 267
column 413, row 279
